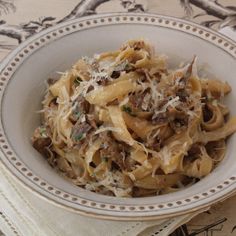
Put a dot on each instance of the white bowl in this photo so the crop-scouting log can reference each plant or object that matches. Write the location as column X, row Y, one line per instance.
column 22, row 87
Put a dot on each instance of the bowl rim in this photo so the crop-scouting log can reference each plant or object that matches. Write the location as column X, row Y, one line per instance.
column 102, row 209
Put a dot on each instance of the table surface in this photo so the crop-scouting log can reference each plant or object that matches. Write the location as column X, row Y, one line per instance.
column 22, row 18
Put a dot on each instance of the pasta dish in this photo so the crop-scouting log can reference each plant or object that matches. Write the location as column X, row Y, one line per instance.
column 124, row 124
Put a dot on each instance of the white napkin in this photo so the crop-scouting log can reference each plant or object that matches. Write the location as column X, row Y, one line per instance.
column 28, row 215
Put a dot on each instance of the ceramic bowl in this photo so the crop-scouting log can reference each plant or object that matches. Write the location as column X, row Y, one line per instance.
column 22, row 85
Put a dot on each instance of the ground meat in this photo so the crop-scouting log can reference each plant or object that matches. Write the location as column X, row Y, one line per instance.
column 153, row 143
column 41, row 141
column 111, row 151
column 137, row 100
column 82, row 107
column 115, row 74
column 80, row 131
column 178, row 125
column 159, row 119
column 182, row 94
column 115, row 152
column 123, row 66
column 91, row 120
column 116, row 166
column 40, row 144
column 178, row 120
column 103, row 80
column 124, row 152
column 207, row 113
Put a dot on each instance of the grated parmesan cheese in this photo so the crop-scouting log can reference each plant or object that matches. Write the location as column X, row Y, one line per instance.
column 165, row 155
column 156, row 133
column 124, row 101
column 88, row 60
column 106, row 65
column 173, row 103
column 103, row 129
column 146, row 101
column 96, row 56
column 155, row 94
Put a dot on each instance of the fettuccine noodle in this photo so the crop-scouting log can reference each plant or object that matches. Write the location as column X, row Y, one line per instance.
column 123, row 124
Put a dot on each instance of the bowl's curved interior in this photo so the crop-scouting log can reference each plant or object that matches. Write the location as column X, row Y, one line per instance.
column 25, row 90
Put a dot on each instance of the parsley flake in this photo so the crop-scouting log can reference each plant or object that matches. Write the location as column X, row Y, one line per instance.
column 79, row 137
column 128, row 110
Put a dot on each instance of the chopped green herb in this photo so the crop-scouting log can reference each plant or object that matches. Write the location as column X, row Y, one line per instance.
column 79, row 137
column 93, row 175
column 127, row 109
column 77, row 115
column 43, row 132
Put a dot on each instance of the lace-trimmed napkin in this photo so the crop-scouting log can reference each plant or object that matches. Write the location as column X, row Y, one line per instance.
column 25, row 214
